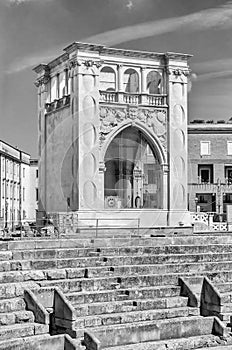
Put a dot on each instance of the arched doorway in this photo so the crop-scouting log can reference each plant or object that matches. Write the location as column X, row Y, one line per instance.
column 133, row 177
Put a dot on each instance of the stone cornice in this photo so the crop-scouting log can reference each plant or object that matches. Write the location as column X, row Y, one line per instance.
column 175, row 55
column 102, row 50
column 59, row 60
column 41, row 68
column 209, row 128
column 83, row 46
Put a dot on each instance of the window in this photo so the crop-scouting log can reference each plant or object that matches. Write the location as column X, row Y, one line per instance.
column 23, row 193
column 228, row 174
column 58, row 86
column 205, row 173
column 131, row 81
column 153, row 82
column 37, row 173
column 36, row 194
column 23, row 172
column 107, row 79
column 229, row 148
column 205, row 148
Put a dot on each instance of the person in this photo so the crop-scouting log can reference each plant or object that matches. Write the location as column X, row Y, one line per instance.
column 137, row 201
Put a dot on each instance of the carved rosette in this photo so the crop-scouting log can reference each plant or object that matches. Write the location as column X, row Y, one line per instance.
column 154, row 118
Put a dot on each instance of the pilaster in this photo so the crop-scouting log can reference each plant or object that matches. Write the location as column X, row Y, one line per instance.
column 177, row 80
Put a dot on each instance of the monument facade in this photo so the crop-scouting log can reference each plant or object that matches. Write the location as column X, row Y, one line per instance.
column 113, row 135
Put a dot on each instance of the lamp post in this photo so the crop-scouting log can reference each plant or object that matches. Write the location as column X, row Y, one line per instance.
column 6, row 214
column 196, row 201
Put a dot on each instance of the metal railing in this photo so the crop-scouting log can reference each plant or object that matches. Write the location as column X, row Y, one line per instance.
column 85, row 224
column 63, row 226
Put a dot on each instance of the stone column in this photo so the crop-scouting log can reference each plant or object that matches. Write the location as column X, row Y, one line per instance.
column 143, row 85
column 120, row 83
column 66, row 81
column 42, row 86
column 177, row 72
column 165, row 189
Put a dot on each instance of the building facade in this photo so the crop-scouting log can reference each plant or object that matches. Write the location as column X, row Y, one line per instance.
column 15, row 191
column 210, row 166
column 113, row 135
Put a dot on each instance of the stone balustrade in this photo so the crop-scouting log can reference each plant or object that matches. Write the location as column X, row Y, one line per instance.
column 133, row 99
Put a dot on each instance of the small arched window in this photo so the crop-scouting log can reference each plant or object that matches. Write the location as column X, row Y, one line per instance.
column 131, row 81
column 107, row 79
column 154, row 80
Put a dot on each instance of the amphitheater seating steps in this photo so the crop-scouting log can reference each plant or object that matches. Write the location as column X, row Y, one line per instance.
column 121, row 286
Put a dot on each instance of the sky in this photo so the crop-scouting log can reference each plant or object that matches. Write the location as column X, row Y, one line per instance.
column 36, row 31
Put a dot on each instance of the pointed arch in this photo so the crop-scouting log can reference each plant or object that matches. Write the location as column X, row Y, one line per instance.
column 133, row 169
column 155, row 143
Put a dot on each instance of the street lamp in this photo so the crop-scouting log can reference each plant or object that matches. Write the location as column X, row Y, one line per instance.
column 196, row 201
column 6, row 214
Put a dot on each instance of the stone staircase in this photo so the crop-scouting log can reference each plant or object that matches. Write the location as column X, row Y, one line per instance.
column 125, row 291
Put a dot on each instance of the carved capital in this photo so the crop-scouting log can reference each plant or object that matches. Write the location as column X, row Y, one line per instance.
column 42, row 80
column 91, row 63
column 177, row 71
column 73, row 63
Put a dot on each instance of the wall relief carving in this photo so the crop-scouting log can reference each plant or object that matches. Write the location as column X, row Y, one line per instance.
column 154, row 118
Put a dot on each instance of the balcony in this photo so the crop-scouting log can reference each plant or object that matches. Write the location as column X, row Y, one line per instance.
column 57, row 104
column 133, row 99
column 211, row 187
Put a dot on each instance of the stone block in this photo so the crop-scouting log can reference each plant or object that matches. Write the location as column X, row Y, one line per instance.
column 41, row 328
column 126, row 334
column 43, row 264
column 62, row 307
column 7, row 318
column 56, row 274
column 76, row 273
column 24, row 316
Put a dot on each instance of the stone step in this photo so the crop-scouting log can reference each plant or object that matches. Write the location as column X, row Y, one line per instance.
column 224, row 287
column 197, row 342
column 16, row 317
column 64, row 253
column 128, row 270
column 128, row 305
column 196, row 239
column 225, row 317
column 22, row 330
column 11, row 305
column 12, row 290
column 220, row 347
column 123, row 294
column 110, row 282
column 122, row 281
column 123, row 334
column 119, row 261
column 134, row 316
column 41, row 272
column 38, row 342
column 21, row 276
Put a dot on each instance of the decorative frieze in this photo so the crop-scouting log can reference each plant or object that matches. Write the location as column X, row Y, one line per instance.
column 153, row 118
